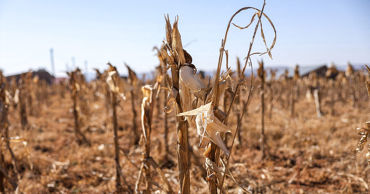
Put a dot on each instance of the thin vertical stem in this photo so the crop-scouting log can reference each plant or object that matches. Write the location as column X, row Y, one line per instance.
column 116, row 144
column 165, row 120
column 134, row 115
column 263, row 115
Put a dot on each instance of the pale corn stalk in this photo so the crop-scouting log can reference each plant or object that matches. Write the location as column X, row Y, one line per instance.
column 101, row 77
column 351, row 81
column 316, row 95
column 29, row 93
column 271, row 87
column 262, row 74
column 146, row 125
column 330, row 75
column 158, row 77
column 35, row 93
column 61, row 88
column 162, row 79
column 332, row 95
column 165, row 120
column 315, row 91
column 339, row 85
column 115, row 94
column 75, row 91
column 240, row 76
column 133, row 81
column 97, row 84
column 14, row 92
column 293, row 91
column 284, row 78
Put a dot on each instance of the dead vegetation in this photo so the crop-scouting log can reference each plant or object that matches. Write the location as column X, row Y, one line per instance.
column 228, row 133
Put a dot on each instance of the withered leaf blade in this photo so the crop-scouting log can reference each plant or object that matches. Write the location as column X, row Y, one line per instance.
column 208, row 125
column 176, row 42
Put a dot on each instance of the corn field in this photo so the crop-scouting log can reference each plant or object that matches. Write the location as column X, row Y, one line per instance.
column 243, row 129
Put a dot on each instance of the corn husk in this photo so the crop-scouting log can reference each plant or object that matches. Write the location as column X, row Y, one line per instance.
column 190, row 79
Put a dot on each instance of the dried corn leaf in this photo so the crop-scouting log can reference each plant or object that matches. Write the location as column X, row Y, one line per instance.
column 146, row 109
column 113, row 85
column 208, row 125
column 177, row 44
column 168, row 30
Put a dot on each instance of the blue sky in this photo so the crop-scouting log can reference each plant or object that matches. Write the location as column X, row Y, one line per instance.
column 309, row 32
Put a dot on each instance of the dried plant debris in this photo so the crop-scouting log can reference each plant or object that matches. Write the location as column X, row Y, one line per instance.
column 365, row 135
column 180, row 107
column 209, row 126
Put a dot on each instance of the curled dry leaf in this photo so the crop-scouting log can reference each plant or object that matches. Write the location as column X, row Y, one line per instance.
column 209, row 126
column 146, row 107
column 112, row 83
column 8, row 97
column 16, row 96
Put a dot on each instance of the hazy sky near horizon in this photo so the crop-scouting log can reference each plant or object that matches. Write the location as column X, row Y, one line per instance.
column 308, row 32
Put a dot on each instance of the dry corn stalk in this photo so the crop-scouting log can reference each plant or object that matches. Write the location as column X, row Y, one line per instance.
column 22, row 103
column 262, row 74
column 237, row 98
column 210, row 120
column 213, row 184
column 101, row 77
column 351, row 80
column 133, row 81
column 175, row 58
column 4, row 134
column 29, row 94
column 163, row 80
column 158, row 78
column 271, row 86
column 314, row 88
column 293, row 91
column 116, row 94
column 165, row 120
column 146, row 125
column 75, row 84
